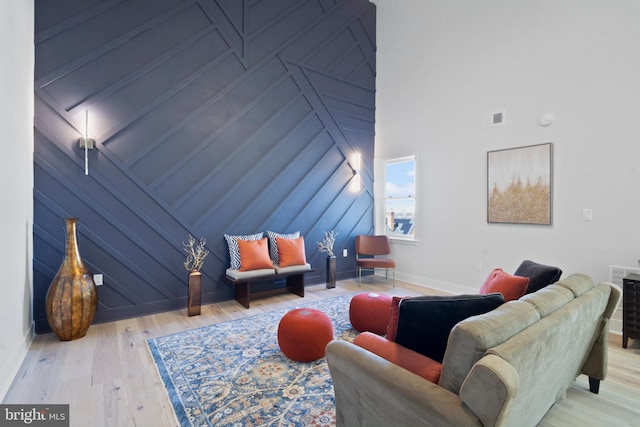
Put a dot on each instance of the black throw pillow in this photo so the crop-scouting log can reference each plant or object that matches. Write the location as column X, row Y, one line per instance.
column 539, row 275
column 424, row 323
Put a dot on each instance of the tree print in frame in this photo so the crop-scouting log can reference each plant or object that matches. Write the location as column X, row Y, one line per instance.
column 519, row 185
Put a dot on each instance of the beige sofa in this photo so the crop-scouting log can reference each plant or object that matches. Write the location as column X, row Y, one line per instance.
column 504, row 368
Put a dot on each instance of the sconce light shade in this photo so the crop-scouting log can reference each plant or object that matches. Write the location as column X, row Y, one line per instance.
column 356, row 165
column 356, row 162
column 89, row 143
column 86, row 143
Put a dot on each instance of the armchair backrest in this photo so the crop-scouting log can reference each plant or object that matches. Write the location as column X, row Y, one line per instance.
column 372, row 245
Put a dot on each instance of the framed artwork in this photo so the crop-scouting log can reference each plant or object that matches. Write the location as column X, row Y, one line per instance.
column 519, row 185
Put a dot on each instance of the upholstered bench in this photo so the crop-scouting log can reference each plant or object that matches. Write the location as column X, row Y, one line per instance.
column 242, row 280
column 254, row 258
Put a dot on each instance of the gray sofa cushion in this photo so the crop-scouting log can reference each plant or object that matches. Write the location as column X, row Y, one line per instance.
column 549, row 299
column 471, row 338
column 577, row 283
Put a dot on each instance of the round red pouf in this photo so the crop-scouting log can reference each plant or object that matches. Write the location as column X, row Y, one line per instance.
column 370, row 312
column 303, row 334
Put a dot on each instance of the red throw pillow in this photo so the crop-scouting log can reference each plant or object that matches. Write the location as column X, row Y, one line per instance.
column 291, row 251
column 254, row 254
column 511, row 287
column 392, row 326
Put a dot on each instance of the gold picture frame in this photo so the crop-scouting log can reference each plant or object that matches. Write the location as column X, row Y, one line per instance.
column 519, row 184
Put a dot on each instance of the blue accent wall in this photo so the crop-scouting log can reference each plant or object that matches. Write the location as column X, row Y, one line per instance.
column 210, row 117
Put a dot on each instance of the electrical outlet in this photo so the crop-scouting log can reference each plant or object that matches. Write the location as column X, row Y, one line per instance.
column 98, row 279
column 344, row 253
column 477, row 265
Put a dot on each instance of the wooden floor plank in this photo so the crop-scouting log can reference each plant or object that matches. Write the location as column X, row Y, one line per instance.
column 109, row 379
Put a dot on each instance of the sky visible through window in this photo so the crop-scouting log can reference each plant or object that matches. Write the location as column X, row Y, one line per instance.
column 400, row 197
column 400, row 178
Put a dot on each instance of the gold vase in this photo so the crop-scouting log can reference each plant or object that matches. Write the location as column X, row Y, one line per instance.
column 72, row 298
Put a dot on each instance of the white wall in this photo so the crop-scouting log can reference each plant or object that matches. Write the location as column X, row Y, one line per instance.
column 16, row 191
column 442, row 64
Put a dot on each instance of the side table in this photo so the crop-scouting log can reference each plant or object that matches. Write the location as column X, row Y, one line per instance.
column 630, row 308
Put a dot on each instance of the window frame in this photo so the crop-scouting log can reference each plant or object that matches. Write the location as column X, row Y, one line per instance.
column 382, row 216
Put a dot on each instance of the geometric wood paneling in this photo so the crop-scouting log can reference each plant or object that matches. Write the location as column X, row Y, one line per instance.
column 210, row 117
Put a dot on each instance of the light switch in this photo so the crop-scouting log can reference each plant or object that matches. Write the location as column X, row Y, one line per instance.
column 587, row 214
column 344, row 253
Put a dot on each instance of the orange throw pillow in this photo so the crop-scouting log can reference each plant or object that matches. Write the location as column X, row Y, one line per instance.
column 408, row 359
column 511, row 287
column 291, row 251
column 254, row 254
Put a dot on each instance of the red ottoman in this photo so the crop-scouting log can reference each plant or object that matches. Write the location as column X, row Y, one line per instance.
column 303, row 334
column 370, row 312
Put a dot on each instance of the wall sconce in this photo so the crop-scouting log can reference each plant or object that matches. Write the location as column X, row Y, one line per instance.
column 356, row 161
column 86, row 143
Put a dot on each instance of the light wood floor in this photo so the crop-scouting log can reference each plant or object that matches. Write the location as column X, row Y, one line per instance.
column 109, row 379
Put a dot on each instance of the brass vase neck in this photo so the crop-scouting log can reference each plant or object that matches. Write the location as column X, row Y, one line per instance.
column 72, row 253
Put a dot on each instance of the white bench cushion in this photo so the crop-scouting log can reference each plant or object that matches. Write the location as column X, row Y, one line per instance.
column 250, row 274
column 293, row 268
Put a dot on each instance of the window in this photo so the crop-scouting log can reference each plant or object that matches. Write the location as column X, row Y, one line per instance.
column 400, row 198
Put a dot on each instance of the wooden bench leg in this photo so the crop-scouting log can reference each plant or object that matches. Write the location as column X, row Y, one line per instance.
column 295, row 284
column 241, row 293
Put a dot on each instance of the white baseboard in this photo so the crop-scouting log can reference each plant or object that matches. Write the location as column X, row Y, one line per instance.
column 439, row 285
column 13, row 362
column 615, row 326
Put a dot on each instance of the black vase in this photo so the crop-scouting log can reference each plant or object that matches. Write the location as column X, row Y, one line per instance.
column 331, row 272
column 194, row 294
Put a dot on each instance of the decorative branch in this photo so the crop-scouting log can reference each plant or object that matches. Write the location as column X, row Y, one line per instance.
column 326, row 245
column 195, row 253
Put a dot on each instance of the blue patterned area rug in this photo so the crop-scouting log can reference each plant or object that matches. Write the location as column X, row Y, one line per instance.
column 234, row 374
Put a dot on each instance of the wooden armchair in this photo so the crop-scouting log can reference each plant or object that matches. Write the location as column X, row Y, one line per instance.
column 373, row 252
